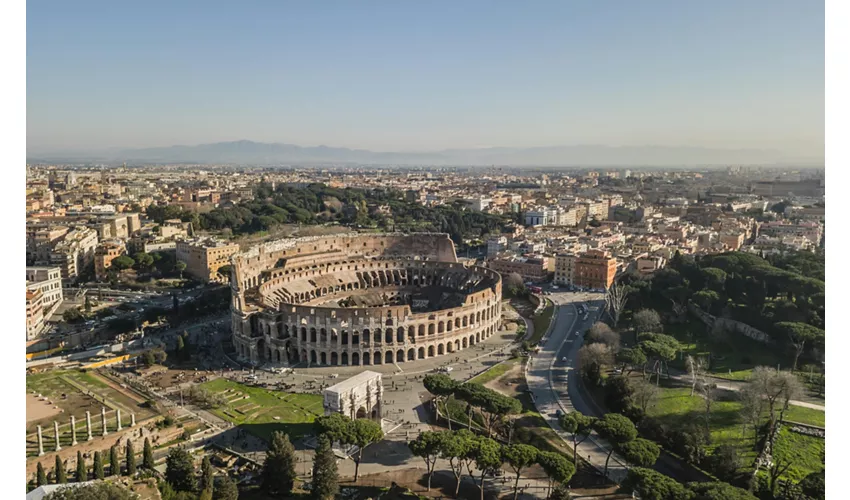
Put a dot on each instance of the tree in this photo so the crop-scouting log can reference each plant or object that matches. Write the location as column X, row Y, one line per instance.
column 363, row 433
column 279, row 468
column 640, row 452
column 441, row 386
column 114, row 463
column 82, row 473
column 206, row 494
column 110, row 491
column 814, row 485
column 558, row 469
column 714, row 278
column 206, row 480
column 147, row 455
column 602, row 333
column 776, row 388
column 59, row 472
column 560, row 492
column 427, row 446
column 798, row 335
column 615, row 301
column 122, row 262
column 131, row 459
column 643, row 394
column 180, row 470
column 652, row 485
column 718, row 491
column 591, row 359
column 513, row 284
column 225, row 489
column 325, row 479
column 98, row 466
column 144, row 261
column 696, row 369
column 87, row 305
column 661, row 349
column 180, row 266
column 617, row 430
column 519, row 456
column 706, row 299
column 488, row 457
column 456, row 447
column 580, row 426
column 646, row 320
column 630, row 358
column 40, row 476
column 498, row 406
column 336, row 426
column 72, row 315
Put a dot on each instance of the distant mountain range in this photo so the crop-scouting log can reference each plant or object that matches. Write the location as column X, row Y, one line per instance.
column 258, row 153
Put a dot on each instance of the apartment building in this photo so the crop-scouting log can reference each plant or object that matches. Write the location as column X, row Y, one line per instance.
column 105, row 253
column 75, row 253
column 535, row 268
column 564, row 268
column 35, row 314
column 48, row 281
column 594, row 269
column 204, row 256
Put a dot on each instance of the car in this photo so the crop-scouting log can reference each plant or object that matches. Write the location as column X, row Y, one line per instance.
column 564, row 359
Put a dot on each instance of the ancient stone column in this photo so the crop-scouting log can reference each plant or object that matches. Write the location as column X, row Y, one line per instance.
column 56, row 434
column 118, row 418
column 40, row 443
column 88, row 425
column 103, row 419
column 132, row 420
column 73, row 431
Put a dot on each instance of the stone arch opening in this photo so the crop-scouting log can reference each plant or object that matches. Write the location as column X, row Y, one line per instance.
column 355, row 359
column 313, row 357
column 388, row 357
column 377, row 335
column 377, row 358
column 440, row 350
column 312, row 335
column 421, row 353
column 361, row 413
column 430, row 328
column 344, row 359
column 388, row 336
column 463, row 344
column 323, row 357
column 334, row 359
column 411, row 355
column 399, row 336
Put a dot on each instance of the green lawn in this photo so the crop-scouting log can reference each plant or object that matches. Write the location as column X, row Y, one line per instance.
column 496, row 371
column 735, row 354
column 676, row 407
column 295, row 412
column 806, row 416
column 541, row 322
column 806, row 453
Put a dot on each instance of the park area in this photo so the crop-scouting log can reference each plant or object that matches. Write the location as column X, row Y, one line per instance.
column 675, row 408
column 261, row 411
column 64, row 393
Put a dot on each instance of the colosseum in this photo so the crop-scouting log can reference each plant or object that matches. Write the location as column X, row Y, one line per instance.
column 357, row 299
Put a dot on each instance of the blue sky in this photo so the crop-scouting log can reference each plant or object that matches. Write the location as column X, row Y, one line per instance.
column 405, row 75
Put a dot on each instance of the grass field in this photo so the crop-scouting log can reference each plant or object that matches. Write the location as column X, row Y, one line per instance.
column 806, row 453
column 541, row 322
column 496, row 371
column 263, row 411
column 676, row 408
column 735, row 354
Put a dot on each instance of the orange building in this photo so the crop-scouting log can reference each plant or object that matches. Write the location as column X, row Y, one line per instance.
column 594, row 269
column 105, row 253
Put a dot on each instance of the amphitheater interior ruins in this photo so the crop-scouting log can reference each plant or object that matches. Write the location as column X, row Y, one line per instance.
column 358, row 299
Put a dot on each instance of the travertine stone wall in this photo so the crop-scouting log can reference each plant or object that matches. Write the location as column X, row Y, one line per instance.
column 283, row 295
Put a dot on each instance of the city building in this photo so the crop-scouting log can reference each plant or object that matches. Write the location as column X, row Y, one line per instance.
column 594, row 269
column 564, row 268
column 48, row 281
column 204, row 256
column 35, row 314
column 75, row 253
column 496, row 246
column 105, row 253
column 537, row 268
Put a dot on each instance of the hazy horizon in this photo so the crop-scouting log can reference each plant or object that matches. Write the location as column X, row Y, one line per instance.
column 418, row 78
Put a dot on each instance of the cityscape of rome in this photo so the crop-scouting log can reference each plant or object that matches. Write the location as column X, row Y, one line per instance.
column 392, row 318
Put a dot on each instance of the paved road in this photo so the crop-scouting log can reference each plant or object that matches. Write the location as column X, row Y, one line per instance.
column 553, row 381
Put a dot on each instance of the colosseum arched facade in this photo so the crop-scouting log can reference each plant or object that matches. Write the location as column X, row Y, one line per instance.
column 359, row 300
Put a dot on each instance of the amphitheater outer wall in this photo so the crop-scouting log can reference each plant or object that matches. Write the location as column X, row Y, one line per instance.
column 275, row 320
